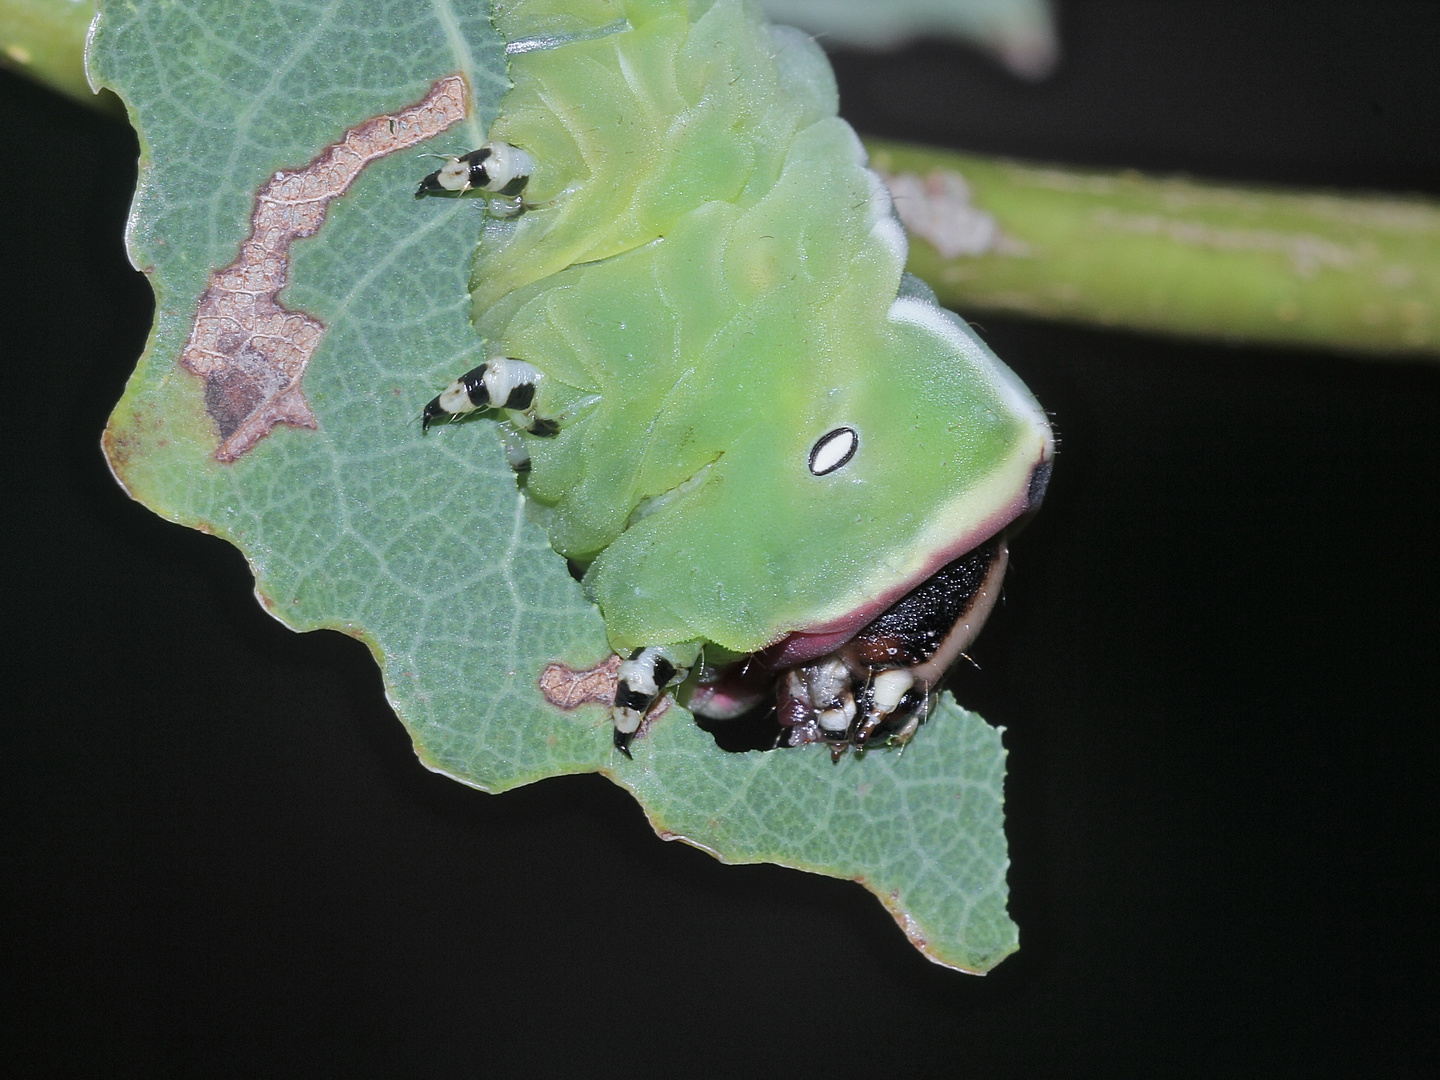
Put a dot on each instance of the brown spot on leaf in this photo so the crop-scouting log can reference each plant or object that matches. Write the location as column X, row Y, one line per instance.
column 252, row 352
column 566, row 688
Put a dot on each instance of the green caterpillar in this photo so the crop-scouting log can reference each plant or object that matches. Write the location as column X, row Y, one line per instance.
column 776, row 459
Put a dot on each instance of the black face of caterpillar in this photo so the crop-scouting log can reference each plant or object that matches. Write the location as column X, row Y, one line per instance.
column 833, row 450
column 502, row 382
column 640, row 682
column 876, row 687
column 496, row 167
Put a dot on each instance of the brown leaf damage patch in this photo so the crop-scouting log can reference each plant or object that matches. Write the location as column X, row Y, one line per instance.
column 567, row 689
column 252, row 352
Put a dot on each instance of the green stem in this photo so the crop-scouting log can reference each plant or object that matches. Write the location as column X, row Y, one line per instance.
column 1177, row 256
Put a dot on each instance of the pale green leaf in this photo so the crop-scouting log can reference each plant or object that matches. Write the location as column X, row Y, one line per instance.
column 421, row 546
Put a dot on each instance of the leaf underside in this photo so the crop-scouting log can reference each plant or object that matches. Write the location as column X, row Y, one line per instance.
column 420, row 546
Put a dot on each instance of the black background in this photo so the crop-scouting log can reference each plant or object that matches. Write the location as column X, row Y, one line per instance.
column 1216, row 666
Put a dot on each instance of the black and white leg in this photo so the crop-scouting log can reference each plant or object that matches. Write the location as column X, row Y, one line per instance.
column 889, row 696
column 849, row 705
column 496, row 168
column 502, row 382
column 828, row 686
column 641, row 680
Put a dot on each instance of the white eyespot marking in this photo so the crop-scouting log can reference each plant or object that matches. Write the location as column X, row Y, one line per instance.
column 833, row 450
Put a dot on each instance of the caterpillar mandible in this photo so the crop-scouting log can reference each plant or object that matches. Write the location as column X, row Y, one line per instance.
column 779, row 463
